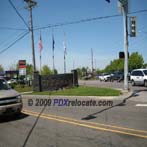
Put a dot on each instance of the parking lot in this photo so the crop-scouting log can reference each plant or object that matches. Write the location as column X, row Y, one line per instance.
column 115, row 84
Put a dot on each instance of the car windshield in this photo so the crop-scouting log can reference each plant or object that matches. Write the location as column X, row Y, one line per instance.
column 3, row 85
column 145, row 72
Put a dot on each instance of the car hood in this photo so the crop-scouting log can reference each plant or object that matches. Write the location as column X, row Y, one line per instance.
column 8, row 93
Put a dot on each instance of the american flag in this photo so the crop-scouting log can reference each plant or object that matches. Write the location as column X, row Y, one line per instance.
column 40, row 44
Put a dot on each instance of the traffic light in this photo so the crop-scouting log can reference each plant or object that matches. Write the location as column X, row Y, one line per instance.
column 132, row 26
column 122, row 55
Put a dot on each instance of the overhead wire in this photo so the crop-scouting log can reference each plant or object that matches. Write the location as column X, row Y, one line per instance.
column 65, row 23
column 18, row 14
column 10, row 28
column 85, row 20
column 14, row 42
column 5, row 42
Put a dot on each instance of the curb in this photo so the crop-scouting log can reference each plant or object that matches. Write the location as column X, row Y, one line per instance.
column 117, row 100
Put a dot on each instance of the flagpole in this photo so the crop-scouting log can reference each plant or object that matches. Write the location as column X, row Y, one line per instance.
column 40, row 62
column 64, row 62
column 40, row 50
column 53, row 42
column 64, row 44
column 92, row 60
column 53, row 64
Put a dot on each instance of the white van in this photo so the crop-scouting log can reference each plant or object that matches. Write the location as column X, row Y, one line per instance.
column 139, row 77
column 10, row 100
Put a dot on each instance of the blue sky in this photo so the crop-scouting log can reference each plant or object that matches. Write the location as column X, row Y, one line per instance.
column 105, row 36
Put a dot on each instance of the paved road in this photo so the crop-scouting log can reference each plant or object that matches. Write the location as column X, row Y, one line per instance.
column 114, row 84
column 67, row 126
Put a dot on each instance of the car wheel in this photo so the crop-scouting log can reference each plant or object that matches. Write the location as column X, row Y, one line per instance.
column 145, row 83
column 133, row 83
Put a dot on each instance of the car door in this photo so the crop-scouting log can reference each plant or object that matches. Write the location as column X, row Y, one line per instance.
column 139, row 77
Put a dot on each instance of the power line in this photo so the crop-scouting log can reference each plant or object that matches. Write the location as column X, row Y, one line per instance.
column 72, row 22
column 10, row 28
column 3, row 50
column 18, row 14
column 7, row 41
column 86, row 20
column 76, row 22
column 139, row 11
column 59, row 24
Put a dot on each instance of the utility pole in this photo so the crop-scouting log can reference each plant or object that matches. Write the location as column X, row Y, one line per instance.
column 95, row 63
column 32, row 4
column 124, row 10
column 124, row 4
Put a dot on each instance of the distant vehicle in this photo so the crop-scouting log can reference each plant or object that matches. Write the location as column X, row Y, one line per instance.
column 118, row 76
column 87, row 77
column 104, row 77
column 12, row 81
column 139, row 77
column 10, row 100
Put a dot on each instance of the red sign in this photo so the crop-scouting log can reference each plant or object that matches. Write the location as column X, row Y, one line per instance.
column 22, row 64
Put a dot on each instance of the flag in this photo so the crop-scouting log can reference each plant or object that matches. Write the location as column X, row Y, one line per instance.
column 108, row 1
column 53, row 42
column 40, row 44
column 64, row 46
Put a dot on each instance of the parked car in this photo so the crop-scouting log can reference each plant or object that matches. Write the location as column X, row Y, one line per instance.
column 12, row 81
column 87, row 77
column 10, row 100
column 139, row 77
column 104, row 77
column 117, row 75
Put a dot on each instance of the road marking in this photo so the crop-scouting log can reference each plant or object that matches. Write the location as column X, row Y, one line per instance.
column 82, row 123
column 141, row 105
column 93, row 123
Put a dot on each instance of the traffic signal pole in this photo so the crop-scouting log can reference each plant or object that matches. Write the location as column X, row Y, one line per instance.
column 124, row 7
column 125, row 19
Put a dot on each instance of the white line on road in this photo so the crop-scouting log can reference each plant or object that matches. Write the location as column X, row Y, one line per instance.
column 141, row 105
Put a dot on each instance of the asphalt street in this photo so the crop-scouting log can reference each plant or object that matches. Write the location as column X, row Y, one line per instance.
column 78, row 126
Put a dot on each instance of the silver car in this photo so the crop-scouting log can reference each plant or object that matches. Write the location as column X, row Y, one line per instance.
column 10, row 100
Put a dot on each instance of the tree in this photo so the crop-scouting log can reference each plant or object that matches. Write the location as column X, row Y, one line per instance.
column 55, row 71
column 99, row 71
column 84, row 71
column 145, row 65
column 115, row 65
column 79, row 70
column 135, row 61
column 46, row 70
column 1, row 68
column 29, row 69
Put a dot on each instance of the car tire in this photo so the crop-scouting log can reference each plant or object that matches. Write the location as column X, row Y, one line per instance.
column 145, row 83
column 133, row 83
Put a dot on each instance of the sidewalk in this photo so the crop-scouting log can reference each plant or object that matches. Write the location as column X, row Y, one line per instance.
column 116, row 99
